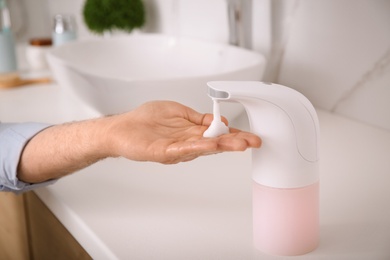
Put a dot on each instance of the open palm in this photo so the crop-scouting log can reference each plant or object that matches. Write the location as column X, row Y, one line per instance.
column 168, row 132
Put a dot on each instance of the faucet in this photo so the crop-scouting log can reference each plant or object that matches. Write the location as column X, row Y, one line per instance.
column 285, row 169
column 240, row 23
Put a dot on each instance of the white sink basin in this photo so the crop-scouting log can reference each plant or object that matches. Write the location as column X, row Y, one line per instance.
column 118, row 74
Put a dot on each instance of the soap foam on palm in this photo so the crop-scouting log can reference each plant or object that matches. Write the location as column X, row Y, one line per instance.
column 217, row 127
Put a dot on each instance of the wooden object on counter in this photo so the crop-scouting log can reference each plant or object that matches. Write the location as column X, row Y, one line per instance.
column 41, row 42
column 49, row 239
column 13, row 80
column 13, row 231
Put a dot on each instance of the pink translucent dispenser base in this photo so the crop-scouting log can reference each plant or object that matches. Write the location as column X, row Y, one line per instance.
column 286, row 221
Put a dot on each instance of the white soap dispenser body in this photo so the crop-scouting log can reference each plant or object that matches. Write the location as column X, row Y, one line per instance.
column 285, row 169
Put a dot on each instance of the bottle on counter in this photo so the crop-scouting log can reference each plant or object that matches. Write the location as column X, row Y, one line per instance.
column 64, row 29
column 8, row 63
column 36, row 53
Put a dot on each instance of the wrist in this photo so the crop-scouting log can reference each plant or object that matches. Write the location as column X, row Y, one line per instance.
column 108, row 134
column 100, row 137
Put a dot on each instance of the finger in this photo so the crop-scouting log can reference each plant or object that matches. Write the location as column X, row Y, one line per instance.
column 207, row 119
column 239, row 141
column 197, row 118
column 202, row 119
column 252, row 139
column 232, row 144
column 191, row 157
column 180, row 151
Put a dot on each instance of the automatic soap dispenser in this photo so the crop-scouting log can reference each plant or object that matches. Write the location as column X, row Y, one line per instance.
column 285, row 169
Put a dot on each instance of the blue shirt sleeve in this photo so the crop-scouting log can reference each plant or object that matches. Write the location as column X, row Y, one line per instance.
column 13, row 138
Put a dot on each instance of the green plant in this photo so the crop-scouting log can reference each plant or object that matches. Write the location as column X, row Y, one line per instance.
column 107, row 15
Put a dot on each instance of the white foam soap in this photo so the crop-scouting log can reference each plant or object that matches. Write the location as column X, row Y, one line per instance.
column 217, row 127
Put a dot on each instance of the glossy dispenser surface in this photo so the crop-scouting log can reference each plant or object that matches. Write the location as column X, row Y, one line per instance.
column 285, row 169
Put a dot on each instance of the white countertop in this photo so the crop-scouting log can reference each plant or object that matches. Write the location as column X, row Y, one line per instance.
column 119, row 209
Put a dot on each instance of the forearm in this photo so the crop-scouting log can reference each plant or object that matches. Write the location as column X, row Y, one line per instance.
column 62, row 149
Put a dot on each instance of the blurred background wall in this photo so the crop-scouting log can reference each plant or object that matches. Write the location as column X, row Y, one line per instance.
column 337, row 53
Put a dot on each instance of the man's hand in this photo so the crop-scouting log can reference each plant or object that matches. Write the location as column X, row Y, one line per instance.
column 168, row 132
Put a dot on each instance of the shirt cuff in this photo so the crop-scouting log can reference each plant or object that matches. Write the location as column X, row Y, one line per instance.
column 13, row 139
